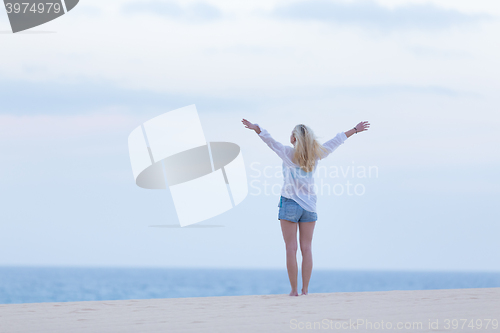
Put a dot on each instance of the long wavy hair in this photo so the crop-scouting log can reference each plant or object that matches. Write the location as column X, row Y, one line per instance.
column 307, row 147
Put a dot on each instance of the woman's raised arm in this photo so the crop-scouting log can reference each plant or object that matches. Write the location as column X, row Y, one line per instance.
column 281, row 150
column 339, row 139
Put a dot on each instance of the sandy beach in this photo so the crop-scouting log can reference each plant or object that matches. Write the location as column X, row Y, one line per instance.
column 421, row 310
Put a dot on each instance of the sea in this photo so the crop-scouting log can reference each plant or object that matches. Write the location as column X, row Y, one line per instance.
column 70, row 284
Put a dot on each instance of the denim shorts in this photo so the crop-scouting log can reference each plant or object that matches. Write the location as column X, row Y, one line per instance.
column 290, row 210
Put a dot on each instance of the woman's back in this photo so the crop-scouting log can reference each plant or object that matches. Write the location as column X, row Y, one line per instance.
column 298, row 184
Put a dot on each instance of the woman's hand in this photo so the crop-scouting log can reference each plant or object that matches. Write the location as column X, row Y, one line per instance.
column 251, row 126
column 362, row 126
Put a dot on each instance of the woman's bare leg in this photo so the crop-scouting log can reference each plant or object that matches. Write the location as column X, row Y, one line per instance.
column 289, row 230
column 306, row 230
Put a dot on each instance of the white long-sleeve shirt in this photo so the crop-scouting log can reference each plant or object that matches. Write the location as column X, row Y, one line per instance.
column 298, row 185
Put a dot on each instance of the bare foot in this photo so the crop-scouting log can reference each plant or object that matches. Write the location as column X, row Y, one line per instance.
column 294, row 293
column 304, row 292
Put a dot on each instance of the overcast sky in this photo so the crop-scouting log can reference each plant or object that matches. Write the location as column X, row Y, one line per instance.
column 424, row 73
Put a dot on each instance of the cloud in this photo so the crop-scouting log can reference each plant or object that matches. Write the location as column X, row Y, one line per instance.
column 369, row 14
column 87, row 96
column 197, row 11
column 390, row 89
column 84, row 97
column 64, row 127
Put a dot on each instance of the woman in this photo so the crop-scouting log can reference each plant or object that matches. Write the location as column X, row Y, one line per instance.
column 298, row 198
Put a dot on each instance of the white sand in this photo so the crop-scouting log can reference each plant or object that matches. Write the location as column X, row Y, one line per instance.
column 269, row 313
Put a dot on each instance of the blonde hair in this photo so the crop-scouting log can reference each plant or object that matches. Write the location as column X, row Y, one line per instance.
column 307, row 148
